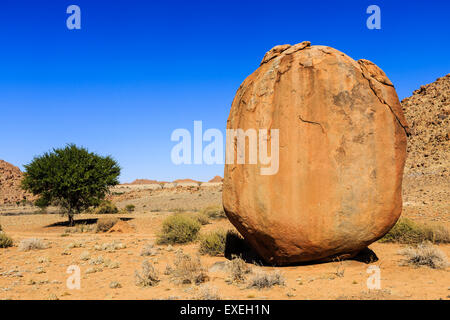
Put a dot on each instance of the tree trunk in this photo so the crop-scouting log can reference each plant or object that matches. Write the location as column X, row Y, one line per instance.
column 71, row 222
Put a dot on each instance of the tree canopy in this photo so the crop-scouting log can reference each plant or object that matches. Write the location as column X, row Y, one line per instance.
column 71, row 177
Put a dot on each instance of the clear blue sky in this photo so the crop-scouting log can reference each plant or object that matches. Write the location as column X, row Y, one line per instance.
column 137, row 70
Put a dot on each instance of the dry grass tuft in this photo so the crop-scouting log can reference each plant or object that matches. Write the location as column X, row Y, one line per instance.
column 115, row 285
column 261, row 280
column 148, row 277
column 149, row 250
column 238, row 269
column 425, row 254
column 187, row 269
column 32, row 244
column 208, row 292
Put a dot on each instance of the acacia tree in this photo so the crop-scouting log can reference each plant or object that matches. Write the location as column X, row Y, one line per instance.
column 72, row 178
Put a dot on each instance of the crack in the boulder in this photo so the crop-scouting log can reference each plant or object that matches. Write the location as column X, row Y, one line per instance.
column 385, row 103
column 311, row 122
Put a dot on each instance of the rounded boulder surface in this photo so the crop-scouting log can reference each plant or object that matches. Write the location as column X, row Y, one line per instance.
column 342, row 149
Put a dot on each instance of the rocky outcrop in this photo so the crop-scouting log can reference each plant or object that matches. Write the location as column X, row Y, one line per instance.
column 428, row 113
column 10, row 190
column 216, row 179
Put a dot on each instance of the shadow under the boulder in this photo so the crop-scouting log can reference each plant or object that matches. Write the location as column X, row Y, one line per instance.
column 237, row 246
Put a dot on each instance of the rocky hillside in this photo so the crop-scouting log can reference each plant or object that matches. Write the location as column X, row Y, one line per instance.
column 216, row 179
column 427, row 112
column 10, row 191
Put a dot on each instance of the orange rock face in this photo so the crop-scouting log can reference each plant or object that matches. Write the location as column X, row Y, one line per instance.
column 10, row 189
column 342, row 149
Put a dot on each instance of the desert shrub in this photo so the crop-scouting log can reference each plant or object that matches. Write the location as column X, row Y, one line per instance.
column 1, row 228
column 201, row 218
column 104, row 224
column 32, row 244
column 106, row 207
column 5, row 241
column 238, row 269
column 407, row 231
column 213, row 243
column 214, row 212
column 208, row 292
column 148, row 277
column 188, row 269
column 130, row 208
column 261, row 280
column 425, row 254
column 178, row 228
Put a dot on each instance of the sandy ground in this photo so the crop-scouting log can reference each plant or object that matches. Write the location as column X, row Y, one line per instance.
column 42, row 274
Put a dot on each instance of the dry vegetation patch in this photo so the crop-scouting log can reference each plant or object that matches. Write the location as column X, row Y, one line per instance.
column 262, row 280
column 406, row 231
column 32, row 244
column 187, row 269
column 238, row 269
column 149, row 250
column 208, row 292
column 80, row 228
column 425, row 254
column 148, row 277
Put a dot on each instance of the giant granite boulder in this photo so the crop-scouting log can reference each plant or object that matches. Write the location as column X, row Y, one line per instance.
column 342, row 149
